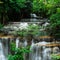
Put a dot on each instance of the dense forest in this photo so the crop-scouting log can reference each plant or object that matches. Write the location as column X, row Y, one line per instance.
column 14, row 10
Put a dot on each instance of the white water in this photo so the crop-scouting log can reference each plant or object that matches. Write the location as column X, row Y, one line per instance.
column 17, row 43
column 2, row 56
column 46, row 54
column 39, row 52
column 32, row 53
column 25, row 43
column 33, row 16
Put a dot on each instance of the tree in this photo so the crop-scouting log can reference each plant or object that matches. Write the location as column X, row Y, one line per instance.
column 39, row 7
column 14, row 10
column 54, row 28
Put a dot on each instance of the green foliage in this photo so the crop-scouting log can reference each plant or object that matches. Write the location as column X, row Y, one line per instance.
column 39, row 7
column 58, row 10
column 15, row 9
column 19, row 52
column 12, row 46
column 22, row 33
column 1, row 25
column 31, row 30
column 55, row 57
column 45, row 8
column 50, row 9
column 55, row 25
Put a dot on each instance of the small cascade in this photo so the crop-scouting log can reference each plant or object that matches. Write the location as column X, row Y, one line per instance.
column 17, row 43
column 39, row 51
column 32, row 44
column 46, row 54
column 2, row 56
column 34, row 16
column 38, row 55
column 25, row 43
column 32, row 53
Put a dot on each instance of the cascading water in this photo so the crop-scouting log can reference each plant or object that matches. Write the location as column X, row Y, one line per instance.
column 33, row 16
column 46, row 54
column 17, row 42
column 2, row 56
column 39, row 49
column 25, row 43
column 38, row 55
column 32, row 53
column 39, row 52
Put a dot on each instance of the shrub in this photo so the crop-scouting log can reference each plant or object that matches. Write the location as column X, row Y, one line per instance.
column 39, row 8
column 58, row 10
column 54, row 27
column 51, row 9
column 55, row 57
column 18, row 52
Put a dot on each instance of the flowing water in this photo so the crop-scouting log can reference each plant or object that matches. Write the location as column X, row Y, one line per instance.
column 25, row 43
column 17, row 43
column 40, row 52
column 46, row 54
column 2, row 56
column 32, row 54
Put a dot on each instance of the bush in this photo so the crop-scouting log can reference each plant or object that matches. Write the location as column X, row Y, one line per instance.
column 58, row 10
column 51, row 9
column 55, row 25
column 18, row 52
column 55, row 57
column 39, row 8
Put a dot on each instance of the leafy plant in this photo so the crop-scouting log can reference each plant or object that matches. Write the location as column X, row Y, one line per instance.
column 58, row 10
column 39, row 7
column 18, row 52
column 14, row 10
column 50, row 9
column 54, row 27
column 31, row 30
column 55, row 57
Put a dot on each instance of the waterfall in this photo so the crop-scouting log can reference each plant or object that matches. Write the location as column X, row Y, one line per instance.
column 32, row 53
column 17, row 42
column 39, row 52
column 46, row 54
column 38, row 55
column 25, row 43
column 34, row 16
column 2, row 56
